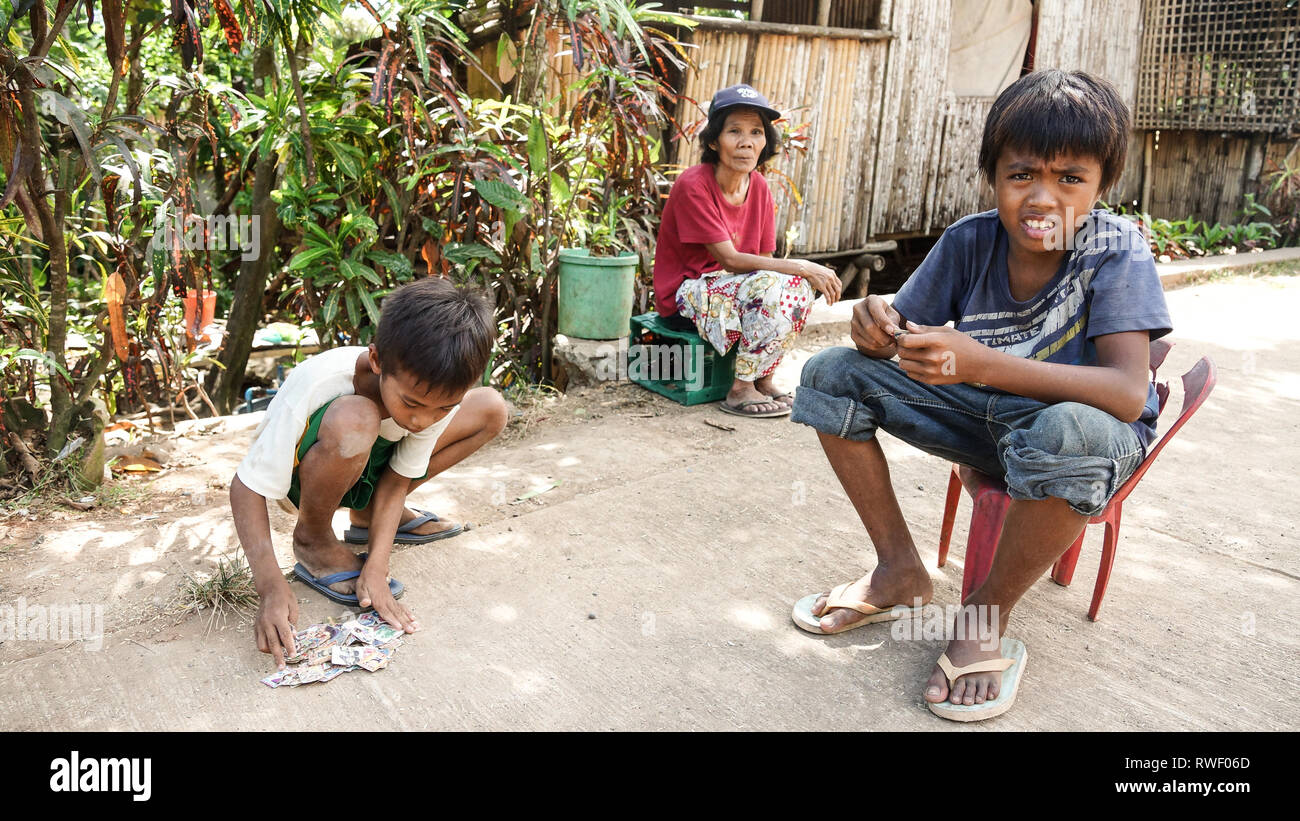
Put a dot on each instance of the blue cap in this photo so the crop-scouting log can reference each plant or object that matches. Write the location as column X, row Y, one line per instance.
column 738, row 95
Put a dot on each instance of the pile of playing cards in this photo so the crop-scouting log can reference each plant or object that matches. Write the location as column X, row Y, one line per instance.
column 326, row 651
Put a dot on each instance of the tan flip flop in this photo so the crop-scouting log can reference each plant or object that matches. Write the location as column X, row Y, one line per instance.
column 1011, row 666
column 804, row 619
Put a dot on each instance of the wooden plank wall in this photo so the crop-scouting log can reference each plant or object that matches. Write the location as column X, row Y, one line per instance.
column 960, row 189
column 892, row 153
column 1100, row 36
column 1103, row 37
column 914, row 105
column 833, row 84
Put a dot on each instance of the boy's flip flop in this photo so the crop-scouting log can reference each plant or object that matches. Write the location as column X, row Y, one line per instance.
column 1012, row 667
column 361, row 535
column 803, row 617
column 322, row 584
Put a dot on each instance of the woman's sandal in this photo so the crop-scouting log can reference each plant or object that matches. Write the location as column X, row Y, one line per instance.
column 739, row 410
column 1011, row 666
column 803, row 617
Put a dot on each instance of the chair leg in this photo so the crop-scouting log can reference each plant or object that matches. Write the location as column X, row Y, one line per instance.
column 1063, row 570
column 985, row 530
column 1107, row 562
column 949, row 514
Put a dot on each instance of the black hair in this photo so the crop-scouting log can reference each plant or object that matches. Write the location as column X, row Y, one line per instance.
column 713, row 131
column 1047, row 113
column 437, row 332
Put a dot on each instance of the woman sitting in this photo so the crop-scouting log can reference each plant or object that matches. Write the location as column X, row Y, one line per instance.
column 713, row 261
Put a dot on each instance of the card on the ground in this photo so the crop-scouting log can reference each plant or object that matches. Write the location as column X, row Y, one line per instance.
column 384, row 634
column 317, row 635
column 349, row 656
column 287, row 677
column 323, row 652
column 333, row 672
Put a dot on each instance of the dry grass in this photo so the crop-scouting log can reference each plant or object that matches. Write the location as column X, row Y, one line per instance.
column 229, row 590
column 531, row 404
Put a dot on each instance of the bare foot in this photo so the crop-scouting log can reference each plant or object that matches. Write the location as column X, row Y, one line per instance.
column 767, row 387
column 973, row 688
column 745, row 392
column 361, row 518
column 323, row 555
column 882, row 588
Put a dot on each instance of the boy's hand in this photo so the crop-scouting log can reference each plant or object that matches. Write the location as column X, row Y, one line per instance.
column 277, row 613
column 873, row 326
column 940, row 355
column 372, row 590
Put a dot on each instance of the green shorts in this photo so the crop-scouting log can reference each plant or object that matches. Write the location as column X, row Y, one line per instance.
column 358, row 496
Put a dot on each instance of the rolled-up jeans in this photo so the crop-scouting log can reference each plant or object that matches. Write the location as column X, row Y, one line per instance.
column 1065, row 450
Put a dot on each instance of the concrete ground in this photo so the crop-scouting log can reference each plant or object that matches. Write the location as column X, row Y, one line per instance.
column 651, row 587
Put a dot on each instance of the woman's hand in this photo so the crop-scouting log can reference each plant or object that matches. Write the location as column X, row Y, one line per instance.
column 822, row 279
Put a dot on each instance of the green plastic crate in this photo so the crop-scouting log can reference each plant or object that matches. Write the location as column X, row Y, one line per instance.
column 677, row 364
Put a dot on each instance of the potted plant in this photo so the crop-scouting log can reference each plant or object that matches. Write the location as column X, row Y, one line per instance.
column 597, row 276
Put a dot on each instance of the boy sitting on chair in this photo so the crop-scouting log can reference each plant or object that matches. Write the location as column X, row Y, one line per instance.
column 361, row 428
column 1043, row 381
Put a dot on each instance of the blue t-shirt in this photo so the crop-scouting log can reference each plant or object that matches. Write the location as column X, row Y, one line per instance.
column 1106, row 284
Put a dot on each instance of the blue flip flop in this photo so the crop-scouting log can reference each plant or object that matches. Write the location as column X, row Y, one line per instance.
column 361, row 535
column 322, row 584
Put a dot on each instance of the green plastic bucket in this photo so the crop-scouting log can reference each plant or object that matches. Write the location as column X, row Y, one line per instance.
column 596, row 294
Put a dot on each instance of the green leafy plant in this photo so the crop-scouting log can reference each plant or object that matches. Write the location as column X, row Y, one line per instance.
column 1178, row 239
column 344, row 131
column 1283, row 193
column 87, row 173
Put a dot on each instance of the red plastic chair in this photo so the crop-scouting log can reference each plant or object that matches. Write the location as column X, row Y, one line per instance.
column 991, row 499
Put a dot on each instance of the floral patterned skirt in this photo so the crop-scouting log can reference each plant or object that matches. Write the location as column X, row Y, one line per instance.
column 761, row 312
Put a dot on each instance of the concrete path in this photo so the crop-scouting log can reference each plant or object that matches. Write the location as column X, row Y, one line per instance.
column 651, row 588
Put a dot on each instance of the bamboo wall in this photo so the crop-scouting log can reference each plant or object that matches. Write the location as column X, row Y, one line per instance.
column 834, row 85
column 1197, row 173
column 856, row 14
column 1099, row 36
column 1206, row 174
